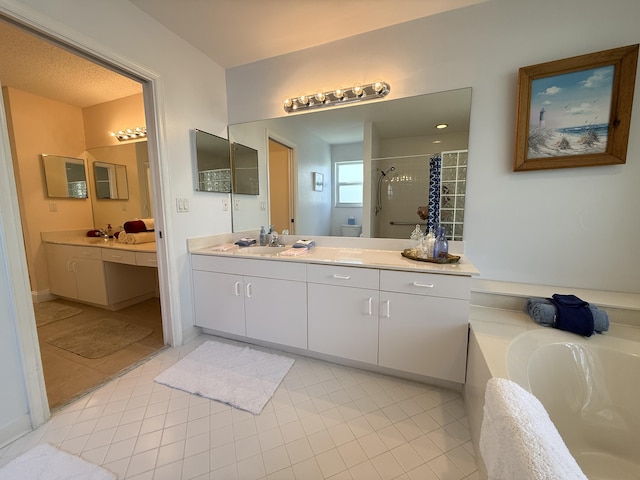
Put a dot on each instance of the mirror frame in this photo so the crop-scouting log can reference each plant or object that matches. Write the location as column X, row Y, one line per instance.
column 117, row 182
column 55, row 170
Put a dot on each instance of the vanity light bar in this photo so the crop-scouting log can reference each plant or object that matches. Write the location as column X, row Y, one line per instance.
column 338, row 96
column 130, row 133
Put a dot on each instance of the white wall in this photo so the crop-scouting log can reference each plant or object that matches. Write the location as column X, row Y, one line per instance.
column 551, row 227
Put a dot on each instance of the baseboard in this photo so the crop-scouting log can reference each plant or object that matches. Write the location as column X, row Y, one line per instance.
column 42, row 296
column 14, row 430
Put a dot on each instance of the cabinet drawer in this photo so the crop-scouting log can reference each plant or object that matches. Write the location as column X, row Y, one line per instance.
column 244, row 266
column 343, row 276
column 86, row 252
column 146, row 259
column 437, row 285
column 118, row 256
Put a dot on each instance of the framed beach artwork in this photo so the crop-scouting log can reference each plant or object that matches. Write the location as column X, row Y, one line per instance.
column 575, row 112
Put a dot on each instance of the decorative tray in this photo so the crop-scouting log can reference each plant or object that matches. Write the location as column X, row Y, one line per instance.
column 412, row 253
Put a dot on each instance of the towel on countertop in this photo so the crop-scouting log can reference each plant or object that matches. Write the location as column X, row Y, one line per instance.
column 225, row 247
column 246, row 242
column 139, row 225
column 544, row 312
column 293, row 252
column 519, row 440
column 136, row 238
column 302, row 243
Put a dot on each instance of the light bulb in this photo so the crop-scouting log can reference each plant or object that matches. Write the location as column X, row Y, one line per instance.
column 304, row 99
column 339, row 93
column 288, row 102
column 320, row 97
column 378, row 87
column 357, row 90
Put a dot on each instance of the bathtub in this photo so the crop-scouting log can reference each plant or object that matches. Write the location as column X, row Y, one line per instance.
column 589, row 386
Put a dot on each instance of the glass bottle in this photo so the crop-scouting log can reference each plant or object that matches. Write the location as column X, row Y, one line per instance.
column 441, row 245
column 430, row 239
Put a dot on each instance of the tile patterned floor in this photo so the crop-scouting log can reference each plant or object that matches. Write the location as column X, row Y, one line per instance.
column 325, row 421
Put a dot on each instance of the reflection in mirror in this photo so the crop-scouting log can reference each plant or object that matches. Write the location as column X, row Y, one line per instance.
column 111, row 181
column 213, row 160
column 245, row 170
column 393, row 140
column 65, row 177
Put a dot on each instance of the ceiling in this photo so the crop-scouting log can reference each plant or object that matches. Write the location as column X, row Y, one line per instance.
column 230, row 32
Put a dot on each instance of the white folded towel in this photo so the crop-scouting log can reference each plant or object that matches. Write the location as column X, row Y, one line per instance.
column 150, row 223
column 293, row 252
column 518, row 440
column 142, row 237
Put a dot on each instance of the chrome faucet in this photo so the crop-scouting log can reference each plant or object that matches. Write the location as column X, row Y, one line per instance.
column 274, row 240
column 103, row 234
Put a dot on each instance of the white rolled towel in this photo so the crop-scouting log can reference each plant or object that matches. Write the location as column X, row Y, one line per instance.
column 142, row 237
column 149, row 223
column 518, row 440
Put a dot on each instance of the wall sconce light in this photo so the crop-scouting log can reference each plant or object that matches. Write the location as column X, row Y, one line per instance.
column 129, row 133
column 336, row 97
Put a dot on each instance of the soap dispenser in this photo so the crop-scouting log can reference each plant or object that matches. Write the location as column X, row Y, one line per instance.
column 109, row 230
column 263, row 237
column 441, row 245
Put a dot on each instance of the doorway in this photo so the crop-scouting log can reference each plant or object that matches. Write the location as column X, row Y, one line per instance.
column 62, row 370
column 281, row 189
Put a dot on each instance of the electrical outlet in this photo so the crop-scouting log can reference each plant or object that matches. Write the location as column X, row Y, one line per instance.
column 225, row 205
column 123, row 207
column 53, row 207
column 263, row 205
column 236, row 205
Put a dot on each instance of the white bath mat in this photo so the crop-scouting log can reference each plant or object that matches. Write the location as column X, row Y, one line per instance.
column 239, row 376
column 45, row 462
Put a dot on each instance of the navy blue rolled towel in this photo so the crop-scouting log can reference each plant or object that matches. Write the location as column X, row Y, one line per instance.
column 543, row 312
column 573, row 314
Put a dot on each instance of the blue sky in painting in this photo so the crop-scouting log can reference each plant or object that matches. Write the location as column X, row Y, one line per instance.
column 573, row 99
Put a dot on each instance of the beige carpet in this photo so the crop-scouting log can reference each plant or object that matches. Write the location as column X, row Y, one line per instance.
column 49, row 312
column 99, row 338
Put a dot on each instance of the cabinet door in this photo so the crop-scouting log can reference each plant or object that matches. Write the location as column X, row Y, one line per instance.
column 276, row 311
column 424, row 335
column 219, row 301
column 343, row 321
column 62, row 278
column 90, row 280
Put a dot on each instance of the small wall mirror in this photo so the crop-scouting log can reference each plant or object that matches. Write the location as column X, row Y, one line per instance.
column 213, row 161
column 111, row 181
column 65, row 177
column 245, row 170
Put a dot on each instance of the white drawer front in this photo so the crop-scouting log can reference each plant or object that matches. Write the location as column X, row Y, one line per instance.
column 246, row 266
column 87, row 252
column 437, row 285
column 118, row 256
column 343, row 276
column 146, row 259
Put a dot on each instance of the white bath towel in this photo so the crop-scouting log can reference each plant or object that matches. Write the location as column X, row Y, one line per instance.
column 518, row 440
column 149, row 223
column 142, row 237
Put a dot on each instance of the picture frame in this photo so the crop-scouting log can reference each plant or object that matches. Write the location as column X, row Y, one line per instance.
column 575, row 112
column 318, row 181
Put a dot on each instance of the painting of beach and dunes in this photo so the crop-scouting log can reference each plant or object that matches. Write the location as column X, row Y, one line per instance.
column 569, row 113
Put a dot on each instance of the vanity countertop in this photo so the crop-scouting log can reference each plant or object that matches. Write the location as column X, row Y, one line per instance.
column 355, row 257
column 80, row 239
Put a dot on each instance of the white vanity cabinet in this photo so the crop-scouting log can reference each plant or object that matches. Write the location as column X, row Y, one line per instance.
column 77, row 273
column 260, row 299
column 424, row 322
column 343, row 311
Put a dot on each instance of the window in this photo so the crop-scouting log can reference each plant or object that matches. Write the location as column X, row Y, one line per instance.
column 349, row 181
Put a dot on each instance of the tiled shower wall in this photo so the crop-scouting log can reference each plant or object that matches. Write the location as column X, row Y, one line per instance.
column 405, row 189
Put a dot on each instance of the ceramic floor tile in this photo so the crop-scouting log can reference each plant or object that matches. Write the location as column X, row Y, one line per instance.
column 325, row 421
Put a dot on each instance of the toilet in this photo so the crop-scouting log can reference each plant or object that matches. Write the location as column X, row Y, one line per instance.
column 351, row 230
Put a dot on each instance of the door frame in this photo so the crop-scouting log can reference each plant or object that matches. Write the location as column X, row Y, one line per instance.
column 12, row 232
column 293, row 174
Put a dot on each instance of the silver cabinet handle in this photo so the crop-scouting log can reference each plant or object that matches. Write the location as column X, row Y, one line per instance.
column 341, row 277
column 388, row 309
column 248, row 290
column 237, row 289
column 370, row 305
column 425, row 285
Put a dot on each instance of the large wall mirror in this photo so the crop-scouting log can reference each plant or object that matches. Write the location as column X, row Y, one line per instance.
column 392, row 140
column 65, row 177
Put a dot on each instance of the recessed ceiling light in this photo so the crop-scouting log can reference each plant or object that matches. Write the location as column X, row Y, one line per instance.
column 442, row 125
column 436, row 141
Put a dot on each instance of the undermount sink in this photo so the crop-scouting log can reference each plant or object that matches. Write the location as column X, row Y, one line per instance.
column 261, row 250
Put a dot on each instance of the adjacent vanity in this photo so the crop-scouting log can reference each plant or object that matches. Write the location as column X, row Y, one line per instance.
column 98, row 271
column 354, row 301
